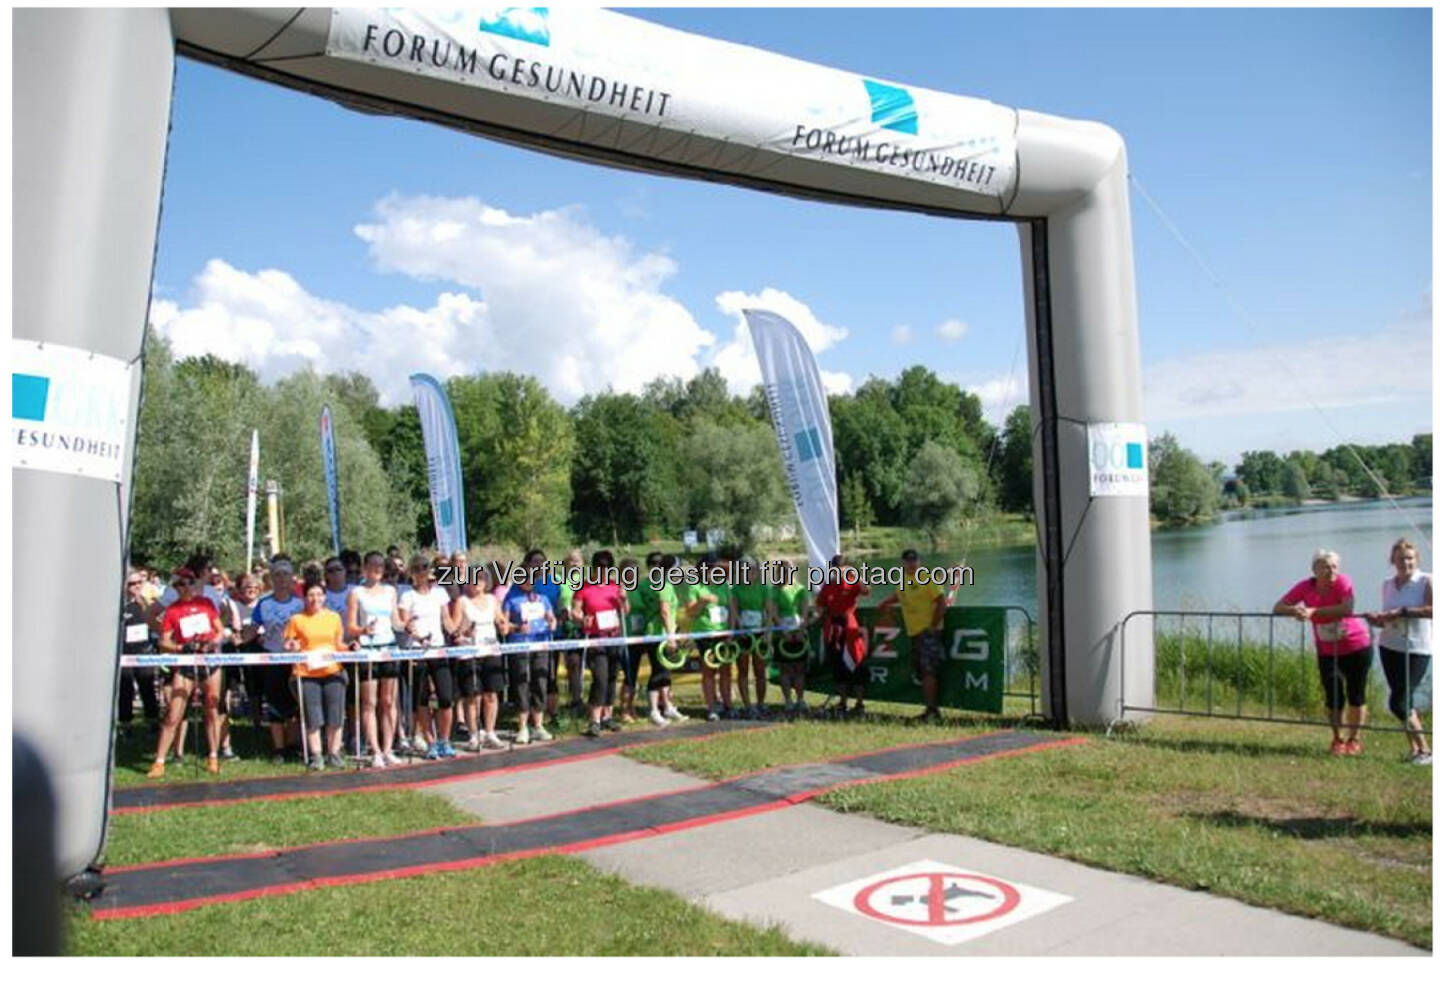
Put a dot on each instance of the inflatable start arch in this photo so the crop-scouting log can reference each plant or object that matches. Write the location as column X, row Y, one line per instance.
column 92, row 108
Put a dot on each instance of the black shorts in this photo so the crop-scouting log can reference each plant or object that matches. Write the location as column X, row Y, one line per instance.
column 474, row 675
column 926, row 653
column 1343, row 678
column 1405, row 674
column 835, row 657
column 280, row 702
column 371, row 670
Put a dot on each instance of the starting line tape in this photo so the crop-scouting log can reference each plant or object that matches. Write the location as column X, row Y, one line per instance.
column 363, row 656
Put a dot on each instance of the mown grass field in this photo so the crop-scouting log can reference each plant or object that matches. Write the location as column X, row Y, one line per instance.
column 1258, row 813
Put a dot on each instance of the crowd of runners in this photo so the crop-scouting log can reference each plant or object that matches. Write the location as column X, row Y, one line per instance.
column 387, row 708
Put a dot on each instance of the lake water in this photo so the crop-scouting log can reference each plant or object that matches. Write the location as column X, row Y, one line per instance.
column 1243, row 563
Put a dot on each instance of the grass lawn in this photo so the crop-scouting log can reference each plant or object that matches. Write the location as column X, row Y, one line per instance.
column 551, row 906
column 1258, row 813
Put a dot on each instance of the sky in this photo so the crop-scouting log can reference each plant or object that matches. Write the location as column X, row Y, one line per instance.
column 1284, row 299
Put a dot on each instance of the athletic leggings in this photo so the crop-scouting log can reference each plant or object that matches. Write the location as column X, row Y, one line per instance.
column 605, row 664
column 530, row 679
column 324, row 700
column 1405, row 674
column 440, row 672
column 659, row 676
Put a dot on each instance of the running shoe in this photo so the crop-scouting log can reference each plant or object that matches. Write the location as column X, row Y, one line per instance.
column 626, row 717
column 1337, row 748
column 226, row 753
column 1422, row 760
column 1353, row 748
column 612, row 725
column 334, row 760
column 593, row 730
column 657, row 717
column 317, row 763
column 212, row 764
column 446, row 750
column 713, row 716
column 278, row 757
column 390, row 759
column 522, row 737
column 157, row 770
column 542, row 735
column 676, row 716
column 378, row 760
column 492, row 742
column 473, row 744
column 433, row 752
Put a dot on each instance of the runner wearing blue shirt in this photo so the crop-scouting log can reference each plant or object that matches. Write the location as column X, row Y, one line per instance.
column 531, row 617
column 535, row 562
column 268, row 619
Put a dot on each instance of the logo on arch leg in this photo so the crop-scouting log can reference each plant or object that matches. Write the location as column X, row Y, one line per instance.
column 530, row 24
column 892, row 107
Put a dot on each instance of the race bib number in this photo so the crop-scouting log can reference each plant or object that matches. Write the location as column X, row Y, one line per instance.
column 316, row 659
column 1328, row 632
column 531, row 611
column 137, row 633
column 607, row 619
column 719, row 615
column 195, row 625
column 790, row 622
column 750, row 618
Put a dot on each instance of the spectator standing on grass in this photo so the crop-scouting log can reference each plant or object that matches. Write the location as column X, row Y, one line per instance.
column 531, row 619
column 1342, row 645
column 138, row 638
column 599, row 607
column 269, row 618
column 922, row 610
column 1407, row 604
column 845, row 642
column 710, row 604
column 318, row 632
column 370, row 618
column 474, row 620
column 661, row 608
column 422, row 611
column 189, row 625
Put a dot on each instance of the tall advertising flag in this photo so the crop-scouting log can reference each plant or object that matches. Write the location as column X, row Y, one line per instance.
column 252, row 488
column 802, row 428
column 442, row 461
column 332, row 477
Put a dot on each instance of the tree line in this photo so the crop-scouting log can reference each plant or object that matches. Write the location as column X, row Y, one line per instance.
column 615, row 468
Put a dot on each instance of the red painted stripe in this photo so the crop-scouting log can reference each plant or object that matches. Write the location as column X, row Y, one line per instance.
column 168, row 908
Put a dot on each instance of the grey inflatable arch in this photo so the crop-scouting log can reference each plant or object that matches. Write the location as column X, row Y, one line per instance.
column 92, row 99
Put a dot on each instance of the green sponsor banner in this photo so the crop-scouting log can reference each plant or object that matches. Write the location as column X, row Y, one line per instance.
column 972, row 669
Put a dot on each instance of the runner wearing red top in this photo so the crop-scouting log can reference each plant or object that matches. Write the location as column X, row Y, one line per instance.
column 845, row 642
column 600, row 610
column 190, row 625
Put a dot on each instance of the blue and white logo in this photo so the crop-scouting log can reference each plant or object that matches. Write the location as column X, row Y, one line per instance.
column 530, row 24
column 892, row 107
column 807, row 444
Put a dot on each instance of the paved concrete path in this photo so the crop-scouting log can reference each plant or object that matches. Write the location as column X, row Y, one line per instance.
column 769, row 868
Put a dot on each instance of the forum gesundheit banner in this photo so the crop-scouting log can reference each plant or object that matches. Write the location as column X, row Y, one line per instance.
column 442, row 461
column 332, row 477
column 802, row 427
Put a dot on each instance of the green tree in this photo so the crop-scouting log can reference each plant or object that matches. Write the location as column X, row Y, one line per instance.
column 1292, row 480
column 939, row 486
column 623, row 478
column 1323, row 484
column 1182, row 489
column 870, row 440
column 1261, row 471
column 736, row 478
column 855, row 510
column 1422, row 459
column 1016, row 463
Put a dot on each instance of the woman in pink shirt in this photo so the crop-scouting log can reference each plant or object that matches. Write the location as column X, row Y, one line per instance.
column 600, row 610
column 1342, row 644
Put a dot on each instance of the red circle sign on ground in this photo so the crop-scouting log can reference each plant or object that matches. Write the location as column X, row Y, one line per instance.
column 930, row 897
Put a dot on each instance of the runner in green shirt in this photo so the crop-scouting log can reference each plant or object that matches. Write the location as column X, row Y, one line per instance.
column 754, row 610
column 792, row 604
column 710, row 606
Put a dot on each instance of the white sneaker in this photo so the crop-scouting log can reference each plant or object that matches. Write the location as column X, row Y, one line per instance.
column 390, row 759
column 378, row 760
column 1424, row 760
column 522, row 737
column 542, row 735
column 658, row 718
column 492, row 742
column 676, row 716
column 473, row 744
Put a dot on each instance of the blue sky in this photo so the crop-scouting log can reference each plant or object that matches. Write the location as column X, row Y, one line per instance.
column 1292, row 148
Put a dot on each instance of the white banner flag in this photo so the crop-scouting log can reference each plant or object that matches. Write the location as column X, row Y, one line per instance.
column 252, row 488
column 442, row 460
column 802, row 428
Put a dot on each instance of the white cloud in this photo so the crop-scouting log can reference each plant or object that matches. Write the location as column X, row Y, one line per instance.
column 901, row 334
column 735, row 359
column 554, row 298
column 952, row 329
column 998, row 395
